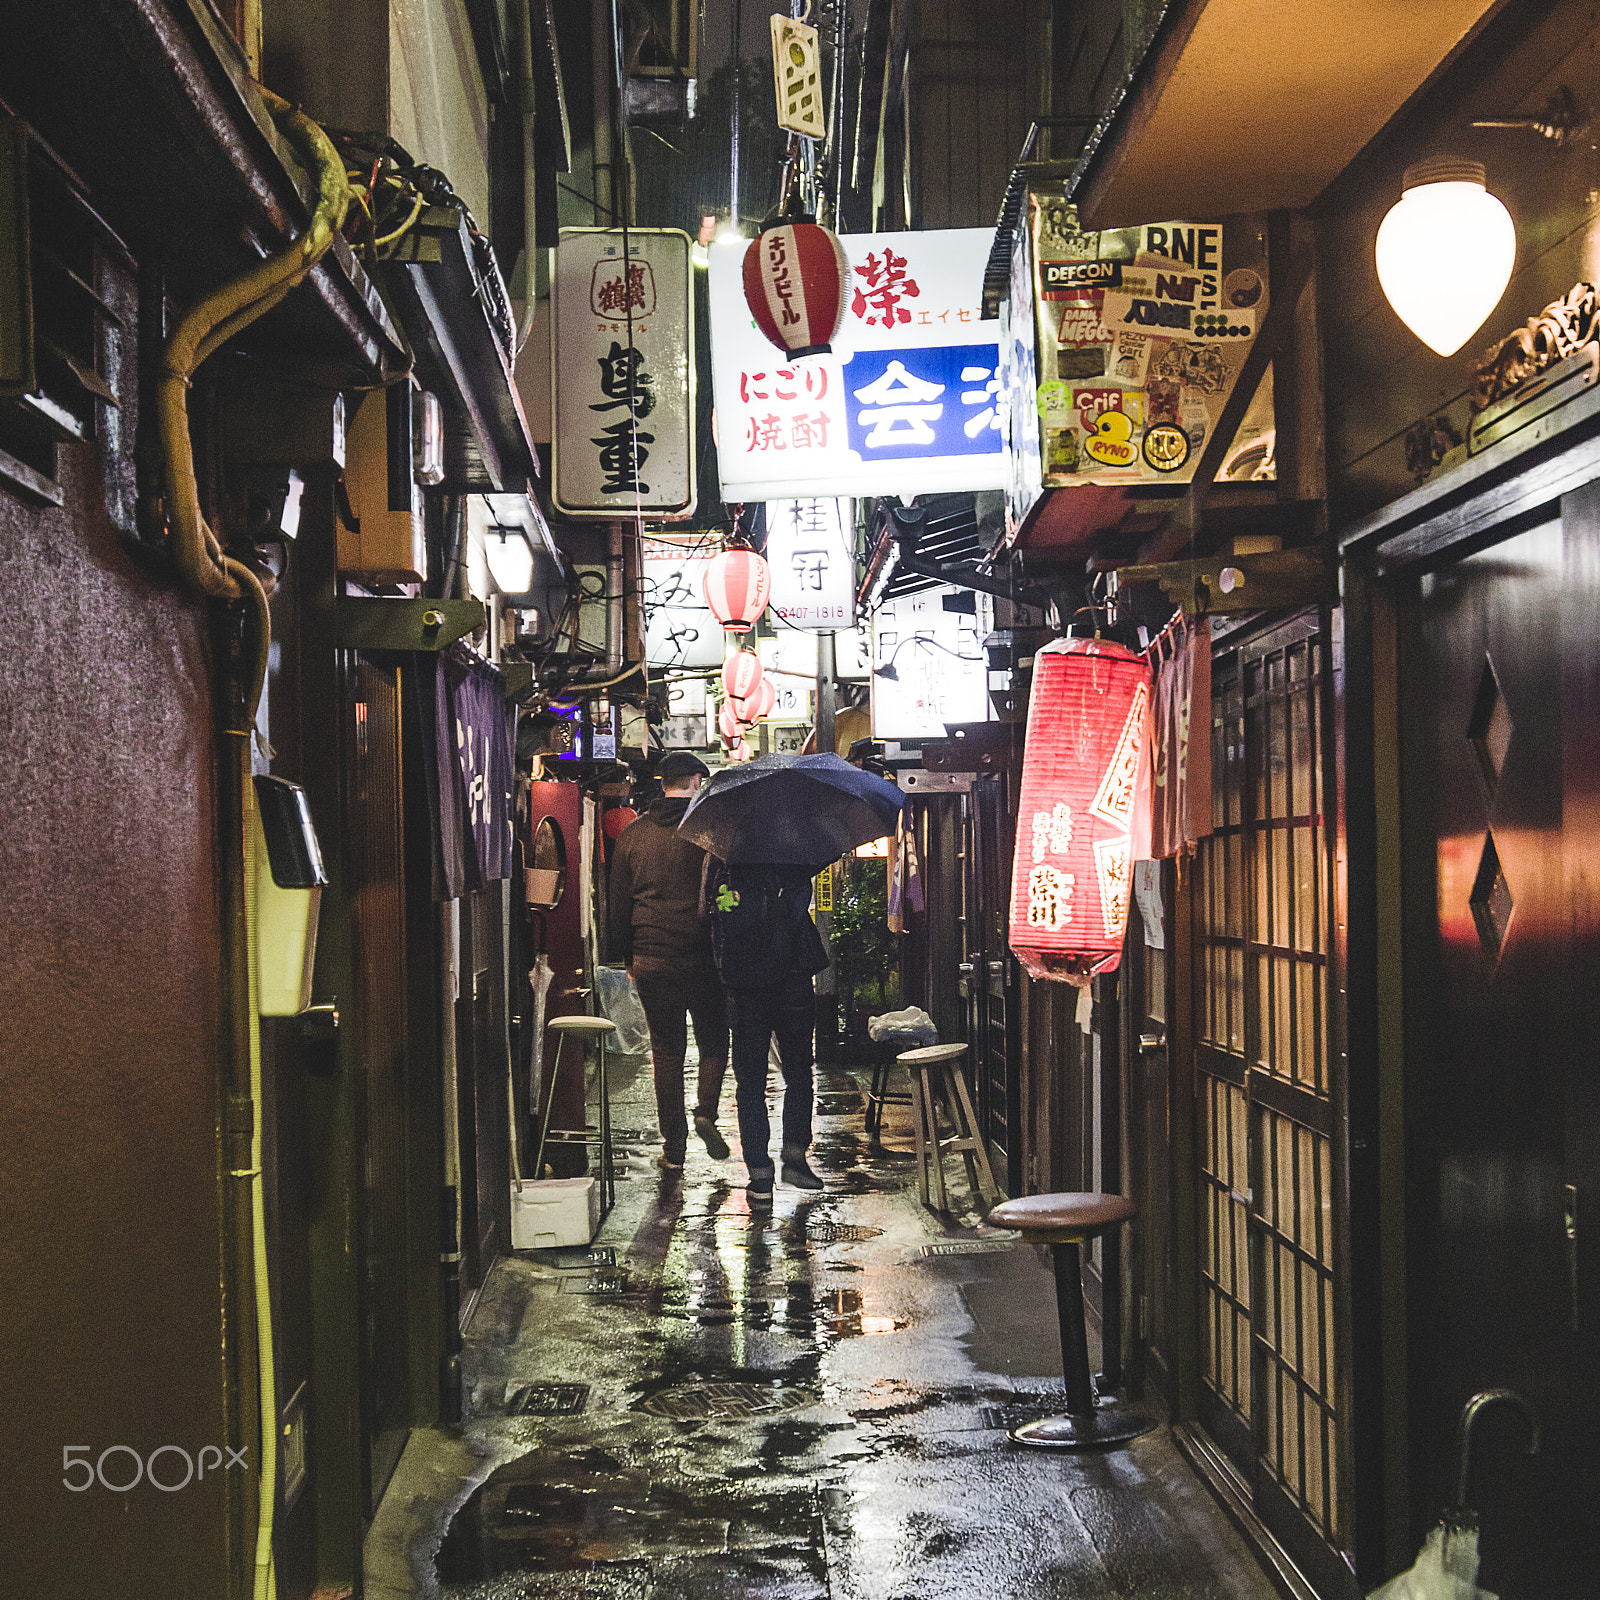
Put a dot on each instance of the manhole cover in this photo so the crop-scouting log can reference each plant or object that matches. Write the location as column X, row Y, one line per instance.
column 839, row 1232
column 547, row 1399
column 974, row 1247
column 597, row 1283
column 704, row 1402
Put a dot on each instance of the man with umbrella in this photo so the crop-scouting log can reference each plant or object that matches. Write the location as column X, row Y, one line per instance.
column 770, row 826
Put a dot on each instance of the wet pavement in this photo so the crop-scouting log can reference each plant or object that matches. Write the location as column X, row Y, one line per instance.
column 807, row 1402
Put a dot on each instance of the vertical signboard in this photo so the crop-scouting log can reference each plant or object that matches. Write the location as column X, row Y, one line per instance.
column 928, row 667
column 810, row 556
column 622, row 379
column 908, row 401
column 680, row 630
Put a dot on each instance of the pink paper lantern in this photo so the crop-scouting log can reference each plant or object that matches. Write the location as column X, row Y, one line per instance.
column 1083, row 813
column 728, row 721
column 797, row 284
column 737, row 584
column 741, row 678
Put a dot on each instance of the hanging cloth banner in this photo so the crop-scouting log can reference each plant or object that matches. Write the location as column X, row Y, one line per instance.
column 1083, row 815
column 1181, row 788
column 467, row 764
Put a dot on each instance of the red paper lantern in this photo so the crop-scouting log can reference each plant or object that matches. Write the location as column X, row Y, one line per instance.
column 737, row 584
column 739, row 751
column 797, row 284
column 1083, row 815
column 741, row 678
column 729, row 722
column 762, row 701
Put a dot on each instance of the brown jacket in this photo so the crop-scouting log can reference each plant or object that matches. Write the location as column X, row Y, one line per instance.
column 654, row 902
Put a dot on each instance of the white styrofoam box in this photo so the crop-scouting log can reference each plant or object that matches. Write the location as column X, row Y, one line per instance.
column 549, row 1213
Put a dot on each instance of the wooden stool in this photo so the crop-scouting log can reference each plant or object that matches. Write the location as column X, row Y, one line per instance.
column 939, row 1061
column 596, row 1028
column 1064, row 1221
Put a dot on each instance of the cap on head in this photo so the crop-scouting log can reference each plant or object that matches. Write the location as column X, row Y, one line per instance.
column 678, row 767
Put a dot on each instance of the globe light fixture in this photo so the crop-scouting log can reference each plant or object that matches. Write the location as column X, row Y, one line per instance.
column 1445, row 252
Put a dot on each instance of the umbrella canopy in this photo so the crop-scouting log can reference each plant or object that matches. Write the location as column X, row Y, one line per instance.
column 785, row 810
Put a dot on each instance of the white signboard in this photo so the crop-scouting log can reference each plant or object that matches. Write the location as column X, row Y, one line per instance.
column 679, row 629
column 909, row 401
column 812, row 563
column 795, row 650
column 622, row 379
column 928, row 667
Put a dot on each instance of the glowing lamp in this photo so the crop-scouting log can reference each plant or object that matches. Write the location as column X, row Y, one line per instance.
column 737, row 584
column 1445, row 253
column 1083, row 813
column 741, row 677
column 797, row 284
column 510, row 559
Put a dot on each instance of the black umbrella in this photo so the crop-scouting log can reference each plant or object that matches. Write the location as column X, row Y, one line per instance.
column 782, row 810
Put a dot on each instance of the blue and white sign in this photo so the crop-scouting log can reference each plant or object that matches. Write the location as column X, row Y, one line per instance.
column 908, row 403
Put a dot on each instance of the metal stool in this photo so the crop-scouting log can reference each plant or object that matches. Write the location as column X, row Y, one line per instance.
column 878, row 1095
column 925, row 1065
column 1064, row 1221
column 595, row 1028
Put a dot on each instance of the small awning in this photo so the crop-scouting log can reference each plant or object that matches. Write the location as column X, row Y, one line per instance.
column 1239, row 106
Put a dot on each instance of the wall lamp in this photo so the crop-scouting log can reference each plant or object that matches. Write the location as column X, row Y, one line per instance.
column 510, row 559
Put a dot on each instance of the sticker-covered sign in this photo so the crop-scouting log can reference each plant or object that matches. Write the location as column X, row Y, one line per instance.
column 908, row 401
column 810, row 558
column 622, row 376
column 1139, row 335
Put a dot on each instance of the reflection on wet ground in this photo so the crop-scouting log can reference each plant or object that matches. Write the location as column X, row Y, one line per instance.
column 806, row 1403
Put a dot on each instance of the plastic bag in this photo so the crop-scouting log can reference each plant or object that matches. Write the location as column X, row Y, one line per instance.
column 1445, row 1570
column 619, row 1000
column 913, row 1024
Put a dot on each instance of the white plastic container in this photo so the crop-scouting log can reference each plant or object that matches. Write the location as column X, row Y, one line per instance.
column 550, row 1213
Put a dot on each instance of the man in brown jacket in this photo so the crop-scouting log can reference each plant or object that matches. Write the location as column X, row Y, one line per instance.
column 655, row 930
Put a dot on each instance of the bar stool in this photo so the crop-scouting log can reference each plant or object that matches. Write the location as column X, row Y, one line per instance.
column 936, row 1065
column 585, row 1028
column 1064, row 1221
column 878, row 1095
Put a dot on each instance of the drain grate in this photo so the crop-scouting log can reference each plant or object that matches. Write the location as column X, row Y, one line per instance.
column 1025, row 1408
column 547, row 1399
column 974, row 1247
column 840, row 1232
column 600, row 1256
column 614, row 1282
column 707, row 1402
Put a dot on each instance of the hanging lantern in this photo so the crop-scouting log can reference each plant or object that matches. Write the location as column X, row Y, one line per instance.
column 729, row 723
column 737, row 584
column 739, row 751
column 741, row 677
column 761, row 703
column 1083, row 814
column 797, row 284
column 1445, row 253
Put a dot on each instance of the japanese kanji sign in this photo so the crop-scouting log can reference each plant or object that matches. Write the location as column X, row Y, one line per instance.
column 928, row 667
column 1083, row 813
column 679, row 629
column 813, row 568
column 909, row 400
column 622, row 378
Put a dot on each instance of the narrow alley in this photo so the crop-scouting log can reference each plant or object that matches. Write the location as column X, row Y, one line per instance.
column 801, row 1403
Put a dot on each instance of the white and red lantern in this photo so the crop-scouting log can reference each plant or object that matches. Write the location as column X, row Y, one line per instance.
column 737, row 584
column 729, row 722
column 797, row 285
column 741, row 678
column 1083, row 813
column 761, row 703
column 739, row 751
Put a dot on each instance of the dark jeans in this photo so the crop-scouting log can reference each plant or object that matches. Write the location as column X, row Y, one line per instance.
column 666, row 993
column 789, row 1010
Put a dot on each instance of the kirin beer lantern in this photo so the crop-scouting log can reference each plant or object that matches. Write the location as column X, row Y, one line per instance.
column 737, row 584
column 741, row 678
column 797, row 284
column 1083, row 815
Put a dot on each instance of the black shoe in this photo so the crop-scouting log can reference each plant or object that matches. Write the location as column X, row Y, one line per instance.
column 798, row 1175
column 670, row 1161
column 716, row 1145
column 758, row 1192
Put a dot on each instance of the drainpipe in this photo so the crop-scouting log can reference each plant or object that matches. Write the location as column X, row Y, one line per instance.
column 616, row 616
